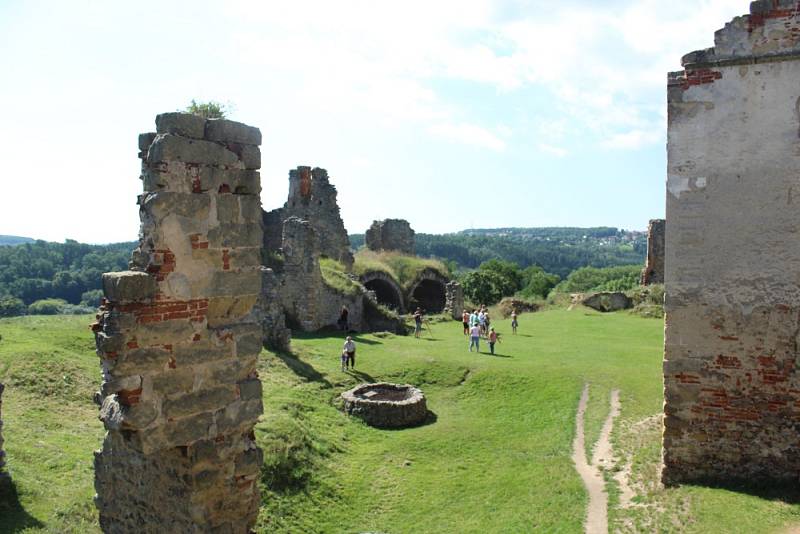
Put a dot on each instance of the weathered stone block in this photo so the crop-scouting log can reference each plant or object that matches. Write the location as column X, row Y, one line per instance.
column 239, row 414
column 251, row 157
column 228, row 208
column 228, row 235
column 199, row 401
column 145, row 360
column 187, row 205
column 185, row 124
column 250, row 389
column 146, row 139
column 228, row 131
column 129, row 286
column 224, row 311
column 168, row 147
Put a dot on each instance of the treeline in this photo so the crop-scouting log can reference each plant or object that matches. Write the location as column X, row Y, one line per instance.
column 556, row 250
column 68, row 271
column 496, row 279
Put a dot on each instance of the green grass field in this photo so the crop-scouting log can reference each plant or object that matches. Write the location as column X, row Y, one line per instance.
column 494, row 457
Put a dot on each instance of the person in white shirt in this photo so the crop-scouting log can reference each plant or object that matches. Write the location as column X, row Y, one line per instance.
column 350, row 351
column 475, row 338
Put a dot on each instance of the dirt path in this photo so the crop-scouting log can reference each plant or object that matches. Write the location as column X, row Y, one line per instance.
column 592, row 474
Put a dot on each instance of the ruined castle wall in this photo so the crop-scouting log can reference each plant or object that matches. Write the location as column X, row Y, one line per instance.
column 732, row 390
column 313, row 198
column 454, row 300
column 653, row 272
column 392, row 235
column 308, row 302
column 179, row 341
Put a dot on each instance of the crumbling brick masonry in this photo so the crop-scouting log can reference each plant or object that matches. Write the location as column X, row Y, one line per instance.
column 653, row 272
column 391, row 234
column 731, row 383
column 179, row 341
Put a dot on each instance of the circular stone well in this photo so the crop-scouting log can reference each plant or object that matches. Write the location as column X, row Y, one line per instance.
column 386, row 405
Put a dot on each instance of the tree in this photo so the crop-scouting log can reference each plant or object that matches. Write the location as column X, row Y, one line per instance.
column 537, row 282
column 483, row 287
column 208, row 110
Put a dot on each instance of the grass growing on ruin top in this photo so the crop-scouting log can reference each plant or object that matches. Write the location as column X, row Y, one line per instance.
column 402, row 268
column 495, row 458
column 335, row 276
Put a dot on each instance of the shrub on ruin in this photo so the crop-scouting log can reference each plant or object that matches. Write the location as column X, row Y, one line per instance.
column 208, row 110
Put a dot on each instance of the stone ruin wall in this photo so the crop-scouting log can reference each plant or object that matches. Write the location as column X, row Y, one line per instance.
column 179, row 342
column 732, row 389
column 308, row 302
column 392, row 235
column 454, row 300
column 311, row 198
column 2, row 452
column 653, row 272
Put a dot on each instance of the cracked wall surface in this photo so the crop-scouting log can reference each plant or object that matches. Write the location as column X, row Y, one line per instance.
column 179, row 340
column 731, row 386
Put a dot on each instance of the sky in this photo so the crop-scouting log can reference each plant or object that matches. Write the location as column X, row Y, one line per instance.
column 452, row 114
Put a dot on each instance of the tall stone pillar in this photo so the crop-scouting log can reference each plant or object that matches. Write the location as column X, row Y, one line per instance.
column 653, row 272
column 179, row 341
column 731, row 379
column 454, row 299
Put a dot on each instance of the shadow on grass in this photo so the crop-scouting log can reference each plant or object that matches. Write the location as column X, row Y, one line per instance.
column 13, row 517
column 430, row 418
column 786, row 492
column 303, row 369
column 361, row 339
column 360, row 375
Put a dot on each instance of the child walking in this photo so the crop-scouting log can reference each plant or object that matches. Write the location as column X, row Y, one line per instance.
column 492, row 338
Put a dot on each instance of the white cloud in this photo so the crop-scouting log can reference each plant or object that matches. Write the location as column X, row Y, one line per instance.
column 468, row 134
column 632, row 140
column 553, row 150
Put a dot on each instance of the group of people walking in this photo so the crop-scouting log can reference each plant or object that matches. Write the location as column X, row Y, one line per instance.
column 477, row 325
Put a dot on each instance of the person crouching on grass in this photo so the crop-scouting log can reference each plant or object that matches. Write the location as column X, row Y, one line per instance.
column 349, row 353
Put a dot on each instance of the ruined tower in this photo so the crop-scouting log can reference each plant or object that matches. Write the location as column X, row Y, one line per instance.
column 392, row 235
column 312, row 198
column 731, row 383
column 653, row 272
column 179, row 341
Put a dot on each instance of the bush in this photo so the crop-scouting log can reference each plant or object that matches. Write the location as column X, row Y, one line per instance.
column 91, row 298
column 588, row 279
column 208, row 110
column 11, row 307
column 522, row 306
column 648, row 301
column 47, row 307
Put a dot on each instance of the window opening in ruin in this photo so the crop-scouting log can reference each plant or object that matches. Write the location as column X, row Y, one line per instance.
column 430, row 295
column 385, row 293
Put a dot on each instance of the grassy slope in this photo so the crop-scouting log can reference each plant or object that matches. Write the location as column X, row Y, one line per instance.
column 497, row 458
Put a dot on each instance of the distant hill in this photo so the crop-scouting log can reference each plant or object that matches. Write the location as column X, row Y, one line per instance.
column 8, row 240
column 558, row 250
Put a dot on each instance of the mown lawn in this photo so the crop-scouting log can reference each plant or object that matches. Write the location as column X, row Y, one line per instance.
column 494, row 456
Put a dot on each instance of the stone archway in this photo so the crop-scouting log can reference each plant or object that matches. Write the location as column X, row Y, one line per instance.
column 428, row 292
column 387, row 291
